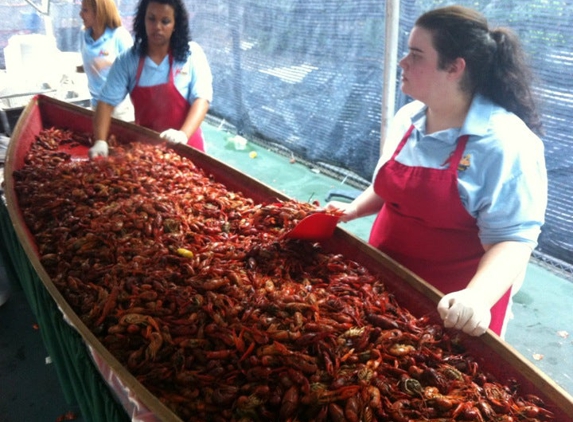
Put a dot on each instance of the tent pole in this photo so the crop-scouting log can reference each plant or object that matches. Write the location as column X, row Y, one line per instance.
column 390, row 66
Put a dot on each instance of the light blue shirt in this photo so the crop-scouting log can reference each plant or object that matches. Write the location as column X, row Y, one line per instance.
column 111, row 44
column 192, row 78
column 503, row 183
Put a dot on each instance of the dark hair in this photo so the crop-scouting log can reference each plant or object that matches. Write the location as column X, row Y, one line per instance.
column 495, row 61
column 181, row 36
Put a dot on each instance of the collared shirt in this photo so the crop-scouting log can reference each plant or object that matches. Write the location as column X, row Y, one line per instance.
column 192, row 78
column 111, row 44
column 502, row 179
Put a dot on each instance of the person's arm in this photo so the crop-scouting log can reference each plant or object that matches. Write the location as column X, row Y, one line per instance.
column 195, row 116
column 200, row 96
column 101, row 125
column 499, row 268
column 102, row 120
column 510, row 212
column 503, row 265
column 115, row 89
column 367, row 203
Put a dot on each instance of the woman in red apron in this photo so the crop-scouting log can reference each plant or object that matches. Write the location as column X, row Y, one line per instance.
column 162, row 107
column 166, row 76
column 424, row 222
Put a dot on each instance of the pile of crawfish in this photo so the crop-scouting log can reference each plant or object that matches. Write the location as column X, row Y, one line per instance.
column 195, row 290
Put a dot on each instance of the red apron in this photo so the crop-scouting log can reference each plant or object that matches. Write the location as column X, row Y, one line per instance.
column 424, row 226
column 161, row 107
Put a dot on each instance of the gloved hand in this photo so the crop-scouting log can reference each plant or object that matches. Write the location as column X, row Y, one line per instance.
column 350, row 211
column 466, row 311
column 174, row 136
column 99, row 149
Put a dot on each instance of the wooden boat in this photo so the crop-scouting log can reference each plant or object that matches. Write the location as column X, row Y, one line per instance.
column 492, row 354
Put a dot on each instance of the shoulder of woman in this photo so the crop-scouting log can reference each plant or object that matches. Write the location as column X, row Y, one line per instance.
column 127, row 61
column 409, row 109
column 121, row 30
column 124, row 34
column 196, row 49
column 497, row 127
column 512, row 132
column 508, row 148
column 197, row 56
column 406, row 113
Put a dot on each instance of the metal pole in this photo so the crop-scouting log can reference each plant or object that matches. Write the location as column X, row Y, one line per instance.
column 390, row 66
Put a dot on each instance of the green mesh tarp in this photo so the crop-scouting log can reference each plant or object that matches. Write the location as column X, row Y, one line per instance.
column 81, row 383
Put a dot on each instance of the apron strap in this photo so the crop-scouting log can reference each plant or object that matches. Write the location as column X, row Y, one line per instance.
column 171, row 78
column 452, row 160
column 456, row 156
column 139, row 69
column 402, row 142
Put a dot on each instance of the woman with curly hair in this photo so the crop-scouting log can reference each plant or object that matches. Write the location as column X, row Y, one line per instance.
column 166, row 74
column 460, row 190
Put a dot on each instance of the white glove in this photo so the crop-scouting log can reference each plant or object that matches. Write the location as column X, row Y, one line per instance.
column 99, row 149
column 466, row 311
column 174, row 136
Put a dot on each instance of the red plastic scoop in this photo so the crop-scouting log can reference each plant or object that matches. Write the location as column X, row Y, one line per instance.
column 77, row 152
column 317, row 226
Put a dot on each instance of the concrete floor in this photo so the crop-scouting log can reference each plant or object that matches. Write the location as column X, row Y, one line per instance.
column 29, row 387
column 542, row 329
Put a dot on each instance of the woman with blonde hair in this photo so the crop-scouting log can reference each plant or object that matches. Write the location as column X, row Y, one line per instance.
column 103, row 39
